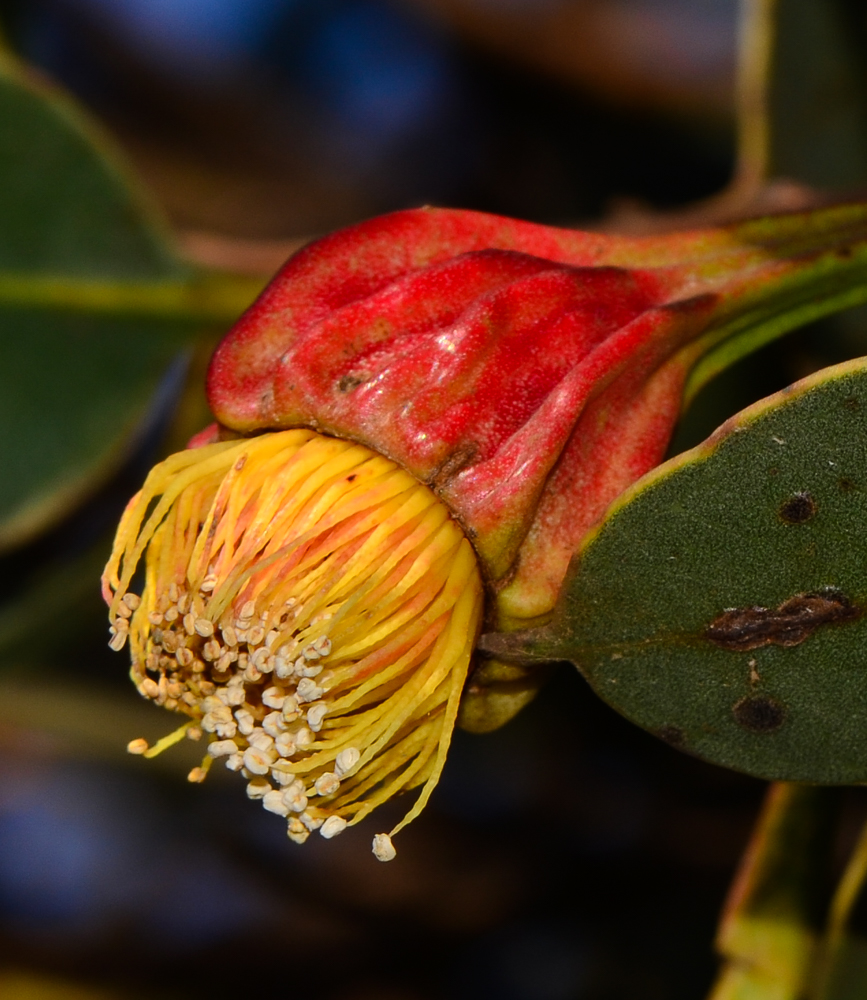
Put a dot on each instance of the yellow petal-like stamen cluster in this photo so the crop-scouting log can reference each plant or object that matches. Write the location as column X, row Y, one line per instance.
column 309, row 605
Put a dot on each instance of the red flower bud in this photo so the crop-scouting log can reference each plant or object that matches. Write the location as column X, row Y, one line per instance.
column 308, row 602
column 527, row 374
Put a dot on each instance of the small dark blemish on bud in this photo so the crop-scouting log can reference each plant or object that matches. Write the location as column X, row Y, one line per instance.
column 846, row 484
column 852, row 403
column 757, row 713
column 349, row 382
column 457, row 461
column 351, row 479
column 798, row 508
column 674, row 736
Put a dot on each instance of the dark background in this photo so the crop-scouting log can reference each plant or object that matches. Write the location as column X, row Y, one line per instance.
column 568, row 855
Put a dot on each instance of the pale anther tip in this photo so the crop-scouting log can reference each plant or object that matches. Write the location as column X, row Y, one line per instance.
column 138, row 746
column 383, row 848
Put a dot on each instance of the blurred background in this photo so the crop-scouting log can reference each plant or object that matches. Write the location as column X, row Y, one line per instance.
column 568, row 855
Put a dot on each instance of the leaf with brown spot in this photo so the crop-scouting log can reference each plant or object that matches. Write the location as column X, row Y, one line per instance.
column 699, row 612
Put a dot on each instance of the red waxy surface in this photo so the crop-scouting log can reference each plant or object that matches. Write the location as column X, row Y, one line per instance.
column 529, row 374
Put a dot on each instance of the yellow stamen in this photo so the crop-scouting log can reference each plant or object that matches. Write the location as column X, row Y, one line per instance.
column 313, row 608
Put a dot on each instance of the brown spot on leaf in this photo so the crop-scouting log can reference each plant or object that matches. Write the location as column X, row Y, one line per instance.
column 800, row 507
column 674, row 736
column 757, row 713
column 795, row 620
column 846, row 484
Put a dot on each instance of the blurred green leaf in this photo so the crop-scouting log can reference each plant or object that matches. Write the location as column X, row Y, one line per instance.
column 771, row 921
column 94, row 302
column 720, row 603
column 817, row 93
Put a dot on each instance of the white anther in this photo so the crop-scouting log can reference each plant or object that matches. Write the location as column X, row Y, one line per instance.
column 194, row 733
column 273, row 697
column 212, row 650
column 332, row 826
column 137, row 746
column 273, row 724
column 132, row 601
column 346, row 761
column 248, row 610
column 261, row 740
column 225, row 661
column 307, row 690
column 290, row 708
column 184, row 604
column 283, row 668
column 310, row 670
column 299, row 665
column 258, row 788
column 235, row 694
column 273, row 802
column 217, row 717
column 117, row 640
column 184, row 656
column 230, row 637
column 172, row 613
column 235, row 762
column 252, row 675
column 309, row 652
column 282, row 777
column 295, row 797
column 246, row 722
column 124, row 611
column 222, row 748
column 315, row 714
column 260, row 658
column 284, row 744
column 205, row 627
column 174, row 593
column 296, row 831
column 383, row 848
column 149, row 688
column 322, row 646
column 155, row 618
column 311, row 822
column 271, row 638
column 255, row 635
column 327, row 784
column 190, row 623
column 258, row 761
column 208, row 584
column 226, row 730
column 303, row 737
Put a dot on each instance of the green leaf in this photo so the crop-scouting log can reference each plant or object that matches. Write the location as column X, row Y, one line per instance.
column 94, row 304
column 721, row 601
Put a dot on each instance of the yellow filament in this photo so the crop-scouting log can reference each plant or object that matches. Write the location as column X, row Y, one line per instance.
column 259, row 552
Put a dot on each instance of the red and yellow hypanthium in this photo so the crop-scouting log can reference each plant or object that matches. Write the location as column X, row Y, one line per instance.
column 418, row 420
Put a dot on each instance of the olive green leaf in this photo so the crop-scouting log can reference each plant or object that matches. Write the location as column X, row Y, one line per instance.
column 94, row 304
column 721, row 601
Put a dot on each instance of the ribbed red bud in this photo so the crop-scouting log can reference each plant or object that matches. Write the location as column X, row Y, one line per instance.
column 527, row 374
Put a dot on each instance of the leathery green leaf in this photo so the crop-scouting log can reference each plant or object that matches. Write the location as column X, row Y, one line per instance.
column 93, row 300
column 721, row 601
